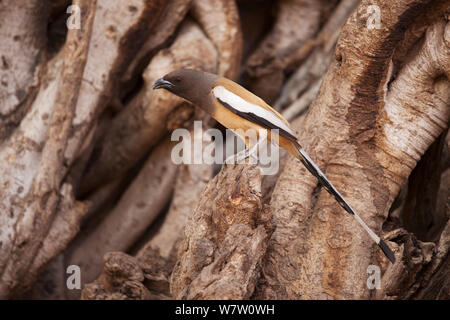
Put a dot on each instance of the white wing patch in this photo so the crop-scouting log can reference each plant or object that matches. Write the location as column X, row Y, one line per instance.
column 242, row 105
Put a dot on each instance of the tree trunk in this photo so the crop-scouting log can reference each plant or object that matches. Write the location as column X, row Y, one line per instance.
column 88, row 178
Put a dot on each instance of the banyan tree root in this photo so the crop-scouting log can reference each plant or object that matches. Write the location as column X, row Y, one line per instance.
column 361, row 131
column 157, row 258
column 424, row 268
column 302, row 86
column 171, row 16
column 20, row 77
column 111, row 49
column 191, row 180
column 225, row 239
column 29, row 232
column 122, row 279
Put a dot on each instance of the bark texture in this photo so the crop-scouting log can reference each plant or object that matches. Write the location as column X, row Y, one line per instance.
column 31, row 227
column 224, row 239
column 19, row 77
column 359, row 120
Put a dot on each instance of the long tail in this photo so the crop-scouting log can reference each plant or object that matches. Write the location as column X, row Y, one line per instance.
column 315, row 170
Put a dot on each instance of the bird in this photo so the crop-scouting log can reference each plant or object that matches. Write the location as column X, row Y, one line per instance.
column 239, row 110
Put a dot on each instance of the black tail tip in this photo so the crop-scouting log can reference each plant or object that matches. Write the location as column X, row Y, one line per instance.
column 387, row 251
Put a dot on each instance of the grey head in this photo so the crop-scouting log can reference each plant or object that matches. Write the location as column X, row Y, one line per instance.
column 192, row 85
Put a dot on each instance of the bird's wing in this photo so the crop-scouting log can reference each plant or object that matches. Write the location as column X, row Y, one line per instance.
column 259, row 114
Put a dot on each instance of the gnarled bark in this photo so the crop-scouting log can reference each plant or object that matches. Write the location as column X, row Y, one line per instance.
column 144, row 122
column 191, row 180
column 20, row 77
column 32, row 224
column 318, row 251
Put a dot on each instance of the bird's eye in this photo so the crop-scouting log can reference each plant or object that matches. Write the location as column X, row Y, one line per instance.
column 177, row 79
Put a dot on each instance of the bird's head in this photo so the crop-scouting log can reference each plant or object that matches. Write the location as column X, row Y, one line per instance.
column 192, row 85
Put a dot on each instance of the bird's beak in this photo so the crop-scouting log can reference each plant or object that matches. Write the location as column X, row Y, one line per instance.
column 161, row 83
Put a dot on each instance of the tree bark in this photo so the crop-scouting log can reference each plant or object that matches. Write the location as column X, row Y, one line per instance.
column 87, row 176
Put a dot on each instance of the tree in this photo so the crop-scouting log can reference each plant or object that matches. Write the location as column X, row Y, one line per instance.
column 88, row 181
